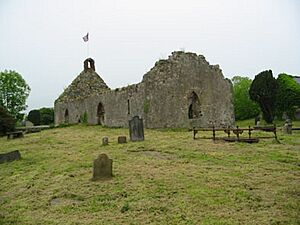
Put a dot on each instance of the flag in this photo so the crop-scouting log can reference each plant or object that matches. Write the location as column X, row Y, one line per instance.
column 86, row 37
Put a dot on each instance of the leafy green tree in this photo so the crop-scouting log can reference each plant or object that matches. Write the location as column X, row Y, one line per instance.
column 244, row 107
column 34, row 116
column 7, row 122
column 288, row 95
column 13, row 92
column 47, row 116
column 263, row 90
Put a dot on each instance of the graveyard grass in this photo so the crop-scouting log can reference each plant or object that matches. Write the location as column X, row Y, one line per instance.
column 167, row 179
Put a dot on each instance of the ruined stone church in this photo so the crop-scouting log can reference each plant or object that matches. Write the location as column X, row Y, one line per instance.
column 179, row 92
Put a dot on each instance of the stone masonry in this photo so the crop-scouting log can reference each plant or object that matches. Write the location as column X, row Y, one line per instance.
column 179, row 92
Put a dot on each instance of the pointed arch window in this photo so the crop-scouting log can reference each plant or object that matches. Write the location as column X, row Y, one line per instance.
column 194, row 110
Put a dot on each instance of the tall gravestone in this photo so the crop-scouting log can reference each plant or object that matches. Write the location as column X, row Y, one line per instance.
column 102, row 167
column 136, row 129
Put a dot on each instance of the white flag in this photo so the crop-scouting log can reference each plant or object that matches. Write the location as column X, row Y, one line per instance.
column 86, row 37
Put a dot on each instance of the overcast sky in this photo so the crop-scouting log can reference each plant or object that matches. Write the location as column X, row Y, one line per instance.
column 42, row 40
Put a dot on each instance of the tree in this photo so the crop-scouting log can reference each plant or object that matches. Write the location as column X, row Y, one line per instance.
column 244, row 107
column 7, row 122
column 263, row 90
column 47, row 115
column 13, row 92
column 288, row 95
column 34, row 116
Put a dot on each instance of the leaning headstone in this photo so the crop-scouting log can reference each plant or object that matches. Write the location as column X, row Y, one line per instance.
column 121, row 139
column 10, row 156
column 105, row 141
column 287, row 127
column 102, row 167
column 136, row 129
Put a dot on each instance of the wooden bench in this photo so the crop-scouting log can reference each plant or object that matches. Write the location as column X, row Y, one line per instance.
column 15, row 134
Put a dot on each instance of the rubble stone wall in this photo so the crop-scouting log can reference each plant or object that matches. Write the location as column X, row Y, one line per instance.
column 181, row 91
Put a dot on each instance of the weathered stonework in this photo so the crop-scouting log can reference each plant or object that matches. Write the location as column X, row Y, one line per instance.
column 181, row 91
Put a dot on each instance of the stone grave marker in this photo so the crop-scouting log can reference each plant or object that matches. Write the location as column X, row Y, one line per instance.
column 10, row 156
column 105, row 141
column 121, row 139
column 28, row 123
column 136, row 129
column 287, row 127
column 102, row 167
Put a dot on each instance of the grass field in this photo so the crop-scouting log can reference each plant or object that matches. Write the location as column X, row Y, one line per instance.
column 167, row 179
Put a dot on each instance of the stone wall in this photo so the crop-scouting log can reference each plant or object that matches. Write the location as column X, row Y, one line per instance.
column 170, row 84
column 119, row 105
column 182, row 91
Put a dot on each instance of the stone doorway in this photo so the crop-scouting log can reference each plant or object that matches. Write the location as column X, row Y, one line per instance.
column 100, row 114
column 194, row 111
column 67, row 116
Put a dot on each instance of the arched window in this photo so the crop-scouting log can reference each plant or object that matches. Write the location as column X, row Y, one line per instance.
column 194, row 110
column 100, row 114
column 67, row 116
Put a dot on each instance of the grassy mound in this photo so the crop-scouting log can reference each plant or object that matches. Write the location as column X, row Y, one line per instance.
column 167, row 179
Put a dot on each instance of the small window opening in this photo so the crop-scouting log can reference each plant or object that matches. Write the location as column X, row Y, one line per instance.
column 128, row 106
column 67, row 116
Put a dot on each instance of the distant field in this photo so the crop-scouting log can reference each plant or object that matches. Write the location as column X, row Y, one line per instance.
column 167, row 179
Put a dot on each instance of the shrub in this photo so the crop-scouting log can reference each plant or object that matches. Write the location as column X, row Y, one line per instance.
column 47, row 116
column 263, row 90
column 288, row 96
column 146, row 106
column 84, row 118
column 244, row 107
column 34, row 116
column 7, row 122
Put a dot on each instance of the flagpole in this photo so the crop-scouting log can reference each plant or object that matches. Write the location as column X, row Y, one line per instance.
column 86, row 39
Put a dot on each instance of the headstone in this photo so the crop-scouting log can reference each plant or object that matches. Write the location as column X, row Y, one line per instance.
column 102, row 167
column 10, row 156
column 297, row 114
column 28, row 123
column 287, row 127
column 105, row 141
column 121, row 139
column 136, row 129
column 23, row 123
column 257, row 120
